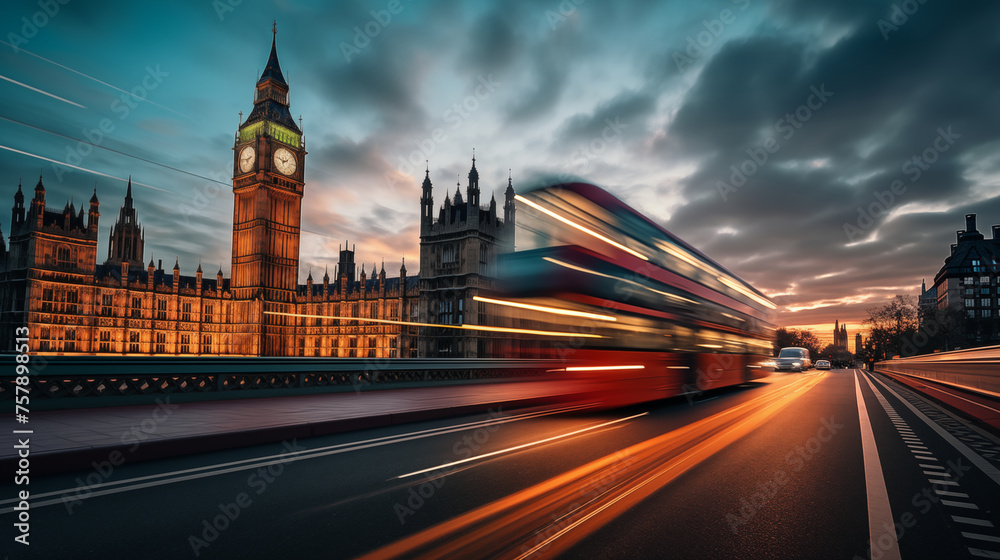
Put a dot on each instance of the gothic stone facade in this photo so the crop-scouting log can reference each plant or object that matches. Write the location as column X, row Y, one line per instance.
column 51, row 282
column 459, row 252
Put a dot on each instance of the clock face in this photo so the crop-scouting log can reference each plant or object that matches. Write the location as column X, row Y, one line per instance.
column 247, row 158
column 284, row 160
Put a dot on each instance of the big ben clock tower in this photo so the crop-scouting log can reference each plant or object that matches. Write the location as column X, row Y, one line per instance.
column 268, row 180
column 267, row 183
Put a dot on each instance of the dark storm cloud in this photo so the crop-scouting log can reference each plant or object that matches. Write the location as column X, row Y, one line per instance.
column 846, row 11
column 551, row 60
column 747, row 86
column 491, row 44
column 548, row 77
column 627, row 107
column 347, row 156
column 892, row 100
column 383, row 80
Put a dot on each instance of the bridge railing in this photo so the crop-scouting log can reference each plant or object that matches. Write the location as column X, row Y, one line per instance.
column 83, row 380
column 975, row 369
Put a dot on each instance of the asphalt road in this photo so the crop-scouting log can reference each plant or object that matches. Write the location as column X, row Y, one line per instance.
column 791, row 466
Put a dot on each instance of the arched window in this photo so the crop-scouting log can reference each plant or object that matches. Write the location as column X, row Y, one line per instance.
column 63, row 256
column 448, row 254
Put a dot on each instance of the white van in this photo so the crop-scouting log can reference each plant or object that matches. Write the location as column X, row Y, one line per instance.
column 792, row 359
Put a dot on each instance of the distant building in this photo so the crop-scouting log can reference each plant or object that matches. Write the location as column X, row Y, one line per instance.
column 857, row 343
column 50, row 280
column 928, row 296
column 839, row 335
column 968, row 283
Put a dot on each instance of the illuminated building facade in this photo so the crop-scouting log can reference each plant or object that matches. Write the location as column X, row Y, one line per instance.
column 50, row 280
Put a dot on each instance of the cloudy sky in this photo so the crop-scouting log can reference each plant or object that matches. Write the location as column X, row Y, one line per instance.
column 825, row 151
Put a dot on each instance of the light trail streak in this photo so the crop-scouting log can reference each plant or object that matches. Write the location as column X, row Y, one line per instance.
column 439, row 325
column 126, row 154
column 617, row 278
column 53, row 96
column 171, row 477
column 522, row 446
column 580, row 227
column 2, row 147
column 602, row 368
column 545, row 309
column 103, row 83
column 741, row 289
column 507, row 526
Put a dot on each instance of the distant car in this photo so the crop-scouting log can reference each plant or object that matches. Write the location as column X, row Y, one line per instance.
column 822, row 364
column 792, row 359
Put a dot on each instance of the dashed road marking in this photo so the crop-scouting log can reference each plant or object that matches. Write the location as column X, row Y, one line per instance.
column 979, row 537
column 952, row 494
column 965, row 505
column 971, row 521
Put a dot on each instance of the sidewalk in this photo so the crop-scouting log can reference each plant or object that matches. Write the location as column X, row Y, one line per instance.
column 66, row 440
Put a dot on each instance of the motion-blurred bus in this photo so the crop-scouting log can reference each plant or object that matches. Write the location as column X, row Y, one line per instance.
column 628, row 308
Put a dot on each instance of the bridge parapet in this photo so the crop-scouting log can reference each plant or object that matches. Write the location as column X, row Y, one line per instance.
column 976, row 369
column 73, row 382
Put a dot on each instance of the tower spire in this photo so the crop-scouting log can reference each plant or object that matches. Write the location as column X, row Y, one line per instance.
column 472, row 194
column 272, row 70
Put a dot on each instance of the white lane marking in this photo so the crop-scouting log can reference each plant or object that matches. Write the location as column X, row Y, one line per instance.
column 103, row 489
column 965, row 505
column 971, row 455
column 922, row 454
column 935, row 473
column 972, row 521
column 984, row 553
column 931, row 467
column 944, row 482
column 927, row 458
column 879, row 510
column 952, row 494
column 979, row 537
column 916, row 446
column 519, row 447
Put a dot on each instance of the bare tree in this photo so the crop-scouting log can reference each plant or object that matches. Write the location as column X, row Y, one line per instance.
column 892, row 326
column 798, row 337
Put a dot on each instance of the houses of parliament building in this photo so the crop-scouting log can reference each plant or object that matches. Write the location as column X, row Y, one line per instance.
column 51, row 282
